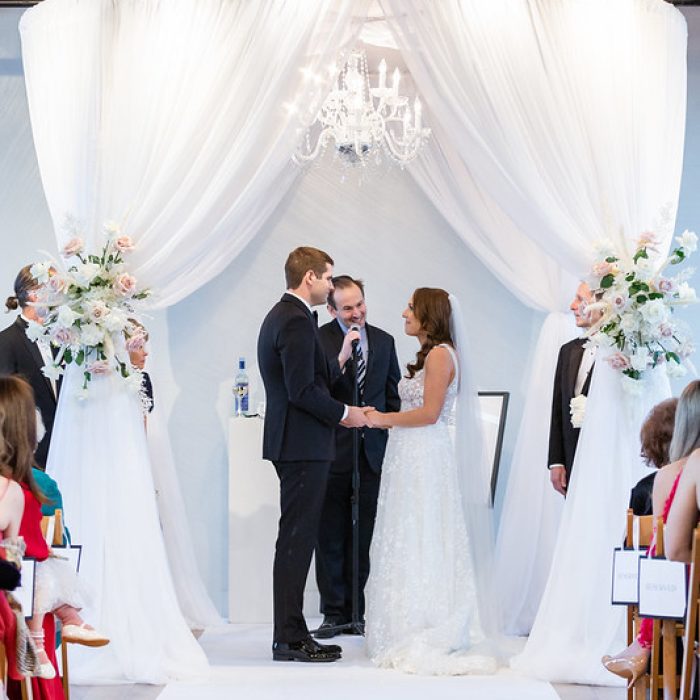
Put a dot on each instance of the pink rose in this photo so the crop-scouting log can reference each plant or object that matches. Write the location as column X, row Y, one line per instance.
column 99, row 367
column 73, row 247
column 618, row 361
column 666, row 329
column 602, row 268
column 666, row 285
column 62, row 336
column 647, row 239
column 124, row 284
column 124, row 244
column 136, row 342
column 57, row 284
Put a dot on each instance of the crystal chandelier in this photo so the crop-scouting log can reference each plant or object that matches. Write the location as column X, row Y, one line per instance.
column 362, row 121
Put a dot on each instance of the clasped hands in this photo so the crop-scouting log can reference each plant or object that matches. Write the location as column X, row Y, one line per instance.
column 363, row 417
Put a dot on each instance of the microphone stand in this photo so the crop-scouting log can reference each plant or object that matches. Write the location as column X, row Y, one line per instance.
column 355, row 626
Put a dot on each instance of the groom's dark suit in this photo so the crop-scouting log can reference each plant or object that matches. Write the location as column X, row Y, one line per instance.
column 19, row 355
column 334, row 553
column 563, row 437
column 299, row 439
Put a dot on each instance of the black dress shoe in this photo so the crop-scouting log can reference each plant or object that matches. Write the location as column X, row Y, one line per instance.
column 358, row 630
column 327, row 628
column 306, row 650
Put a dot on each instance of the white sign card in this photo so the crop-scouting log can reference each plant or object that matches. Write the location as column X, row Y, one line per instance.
column 70, row 554
column 24, row 593
column 662, row 588
column 625, row 576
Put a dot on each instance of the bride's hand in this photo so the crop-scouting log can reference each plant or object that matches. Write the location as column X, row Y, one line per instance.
column 376, row 419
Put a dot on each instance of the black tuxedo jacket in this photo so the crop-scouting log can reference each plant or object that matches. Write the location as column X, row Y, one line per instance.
column 19, row 355
column 563, row 437
column 300, row 415
column 381, row 390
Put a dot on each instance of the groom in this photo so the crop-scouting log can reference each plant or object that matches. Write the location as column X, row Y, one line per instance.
column 299, row 439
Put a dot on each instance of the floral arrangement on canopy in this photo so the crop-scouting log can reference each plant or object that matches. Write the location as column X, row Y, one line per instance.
column 638, row 298
column 89, row 309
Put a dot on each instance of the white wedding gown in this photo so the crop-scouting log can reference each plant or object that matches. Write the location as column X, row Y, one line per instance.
column 422, row 611
column 99, row 459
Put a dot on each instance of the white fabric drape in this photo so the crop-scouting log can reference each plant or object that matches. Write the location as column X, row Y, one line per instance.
column 570, row 117
column 170, row 118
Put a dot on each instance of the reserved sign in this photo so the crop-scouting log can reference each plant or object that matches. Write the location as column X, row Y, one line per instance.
column 662, row 588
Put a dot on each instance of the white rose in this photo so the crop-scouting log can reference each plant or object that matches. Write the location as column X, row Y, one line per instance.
column 654, row 311
column 85, row 273
column 686, row 293
column 688, row 241
column 675, row 369
column 91, row 335
column 629, row 323
column 66, row 316
column 640, row 359
column 115, row 321
column 111, row 229
column 133, row 382
column 41, row 272
column 644, row 269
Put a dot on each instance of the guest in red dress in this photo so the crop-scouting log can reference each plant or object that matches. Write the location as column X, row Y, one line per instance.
column 632, row 661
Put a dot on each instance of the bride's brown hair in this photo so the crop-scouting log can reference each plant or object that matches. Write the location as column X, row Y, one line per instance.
column 18, row 432
column 432, row 309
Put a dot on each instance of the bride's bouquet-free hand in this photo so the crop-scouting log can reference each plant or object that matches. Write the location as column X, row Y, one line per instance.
column 89, row 309
column 638, row 298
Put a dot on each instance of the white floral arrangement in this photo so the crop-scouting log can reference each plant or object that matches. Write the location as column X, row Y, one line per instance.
column 88, row 309
column 637, row 299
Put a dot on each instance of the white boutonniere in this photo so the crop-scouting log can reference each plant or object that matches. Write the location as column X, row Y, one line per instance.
column 577, row 407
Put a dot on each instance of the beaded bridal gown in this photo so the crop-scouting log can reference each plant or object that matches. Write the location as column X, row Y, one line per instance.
column 422, row 605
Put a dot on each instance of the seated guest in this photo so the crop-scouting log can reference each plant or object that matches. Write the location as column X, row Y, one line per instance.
column 655, row 436
column 58, row 588
column 632, row 661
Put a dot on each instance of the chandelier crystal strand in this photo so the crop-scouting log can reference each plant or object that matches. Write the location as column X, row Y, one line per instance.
column 363, row 121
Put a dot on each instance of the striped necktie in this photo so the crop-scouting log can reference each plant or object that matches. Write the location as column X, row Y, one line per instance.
column 361, row 369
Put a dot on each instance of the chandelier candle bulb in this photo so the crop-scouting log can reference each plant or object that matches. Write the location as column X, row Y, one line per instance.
column 382, row 74
column 396, row 79
column 418, row 109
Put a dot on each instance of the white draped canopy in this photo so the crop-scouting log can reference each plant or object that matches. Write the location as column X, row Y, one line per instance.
column 555, row 122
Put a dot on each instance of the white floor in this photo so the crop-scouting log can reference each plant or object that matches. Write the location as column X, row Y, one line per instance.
column 241, row 667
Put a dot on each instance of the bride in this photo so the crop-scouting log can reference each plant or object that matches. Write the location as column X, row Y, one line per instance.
column 428, row 608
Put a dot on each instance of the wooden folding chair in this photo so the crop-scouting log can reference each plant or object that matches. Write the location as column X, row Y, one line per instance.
column 690, row 638
column 52, row 528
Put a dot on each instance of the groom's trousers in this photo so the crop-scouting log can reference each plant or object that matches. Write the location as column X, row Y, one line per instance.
column 302, row 490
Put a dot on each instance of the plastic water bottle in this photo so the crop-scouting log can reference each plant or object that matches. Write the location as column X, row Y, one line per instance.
column 240, row 390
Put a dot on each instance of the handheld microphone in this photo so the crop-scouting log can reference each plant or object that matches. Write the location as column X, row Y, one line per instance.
column 357, row 340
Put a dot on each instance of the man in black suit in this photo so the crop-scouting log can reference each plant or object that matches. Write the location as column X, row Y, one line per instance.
column 299, row 439
column 19, row 355
column 379, row 374
column 572, row 378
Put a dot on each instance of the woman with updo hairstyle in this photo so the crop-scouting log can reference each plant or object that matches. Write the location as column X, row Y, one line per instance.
column 19, row 355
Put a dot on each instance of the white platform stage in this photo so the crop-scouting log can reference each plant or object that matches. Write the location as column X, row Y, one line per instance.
column 242, row 667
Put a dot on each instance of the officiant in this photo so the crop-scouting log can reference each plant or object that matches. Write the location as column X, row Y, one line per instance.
column 20, row 355
column 377, row 377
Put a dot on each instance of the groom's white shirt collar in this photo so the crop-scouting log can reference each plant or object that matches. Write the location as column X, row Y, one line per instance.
column 302, row 300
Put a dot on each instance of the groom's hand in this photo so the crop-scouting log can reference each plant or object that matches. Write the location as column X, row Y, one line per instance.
column 356, row 417
column 557, row 475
